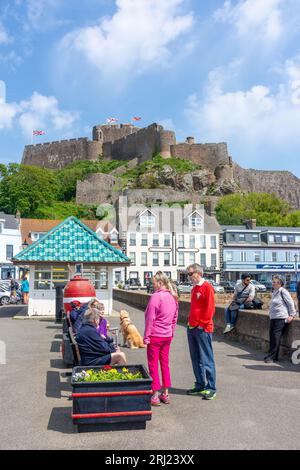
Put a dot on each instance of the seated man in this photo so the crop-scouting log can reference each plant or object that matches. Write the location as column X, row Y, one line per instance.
column 244, row 292
column 94, row 349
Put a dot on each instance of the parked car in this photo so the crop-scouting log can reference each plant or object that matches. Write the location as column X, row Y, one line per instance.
column 217, row 288
column 4, row 295
column 268, row 285
column 184, row 287
column 258, row 286
column 133, row 284
column 292, row 286
column 228, row 286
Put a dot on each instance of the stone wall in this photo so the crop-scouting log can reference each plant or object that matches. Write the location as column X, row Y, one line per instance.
column 97, row 188
column 283, row 183
column 208, row 155
column 142, row 144
column 145, row 196
column 108, row 133
column 56, row 155
column 252, row 326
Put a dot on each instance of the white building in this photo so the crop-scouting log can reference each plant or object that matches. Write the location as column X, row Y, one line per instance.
column 168, row 239
column 10, row 244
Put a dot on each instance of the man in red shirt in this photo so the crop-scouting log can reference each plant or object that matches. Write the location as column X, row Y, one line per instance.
column 199, row 332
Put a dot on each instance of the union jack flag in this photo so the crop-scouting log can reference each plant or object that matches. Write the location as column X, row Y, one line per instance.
column 111, row 119
column 38, row 132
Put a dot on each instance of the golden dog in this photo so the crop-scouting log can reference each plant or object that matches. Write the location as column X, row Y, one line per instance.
column 131, row 336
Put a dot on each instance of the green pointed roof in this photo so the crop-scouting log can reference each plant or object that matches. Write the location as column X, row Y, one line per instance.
column 72, row 242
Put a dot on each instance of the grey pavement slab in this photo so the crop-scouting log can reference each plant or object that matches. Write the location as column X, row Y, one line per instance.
column 257, row 404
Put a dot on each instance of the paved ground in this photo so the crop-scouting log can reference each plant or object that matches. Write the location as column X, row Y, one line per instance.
column 257, row 406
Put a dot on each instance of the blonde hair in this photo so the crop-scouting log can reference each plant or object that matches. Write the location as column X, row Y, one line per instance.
column 94, row 303
column 166, row 282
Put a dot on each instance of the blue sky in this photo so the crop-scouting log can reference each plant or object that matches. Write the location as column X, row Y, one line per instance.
column 218, row 70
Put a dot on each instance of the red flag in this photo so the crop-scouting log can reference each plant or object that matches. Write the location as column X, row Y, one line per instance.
column 38, row 132
column 112, row 119
column 136, row 118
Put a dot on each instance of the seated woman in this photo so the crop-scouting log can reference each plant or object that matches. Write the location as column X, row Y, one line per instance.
column 94, row 349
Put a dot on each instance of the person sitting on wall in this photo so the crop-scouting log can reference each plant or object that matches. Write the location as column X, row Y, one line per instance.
column 244, row 292
column 94, row 349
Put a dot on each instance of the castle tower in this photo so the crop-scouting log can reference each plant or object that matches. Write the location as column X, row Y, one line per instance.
column 166, row 139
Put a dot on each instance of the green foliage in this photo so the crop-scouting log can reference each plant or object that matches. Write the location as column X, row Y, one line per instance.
column 62, row 210
column 79, row 170
column 267, row 209
column 157, row 163
column 25, row 188
column 108, row 373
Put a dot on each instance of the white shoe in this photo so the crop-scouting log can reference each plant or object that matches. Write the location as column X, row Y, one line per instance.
column 227, row 329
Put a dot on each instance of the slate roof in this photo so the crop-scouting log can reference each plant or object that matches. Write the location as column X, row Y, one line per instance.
column 10, row 221
column 72, row 242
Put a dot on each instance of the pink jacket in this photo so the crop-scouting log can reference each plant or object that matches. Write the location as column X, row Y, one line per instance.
column 161, row 315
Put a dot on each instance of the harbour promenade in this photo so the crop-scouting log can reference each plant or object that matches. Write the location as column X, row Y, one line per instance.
column 257, row 404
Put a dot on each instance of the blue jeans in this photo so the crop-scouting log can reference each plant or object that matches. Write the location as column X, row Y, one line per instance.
column 231, row 315
column 202, row 356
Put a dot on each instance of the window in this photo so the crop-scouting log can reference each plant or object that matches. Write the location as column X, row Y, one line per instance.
column 144, row 259
column 144, row 241
column 155, row 239
column 229, row 256
column 97, row 275
column 202, row 241
column 241, row 237
column 192, row 241
column 257, row 256
column 195, row 220
column 213, row 241
column 255, row 237
column 132, row 239
column 147, row 220
column 297, row 238
column 9, row 251
column 278, row 238
column 132, row 257
column 42, row 278
column 155, row 259
column 288, row 256
column 291, row 239
column 243, row 256
column 203, row 259
column 36, row 235
column 167, row 240
column 60, row 274
column 192, row 258
column 180, row 241
column 166, row 259
column 168, row 274
column 271, row 238
column 181, row 259
column 114, row 237
column 274, row 256
column 284, row 238
column 213, row 260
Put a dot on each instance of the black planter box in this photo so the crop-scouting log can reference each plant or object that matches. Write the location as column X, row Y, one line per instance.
column 114, row 404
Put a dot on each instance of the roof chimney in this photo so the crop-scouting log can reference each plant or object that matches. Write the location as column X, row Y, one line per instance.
column 250, row 224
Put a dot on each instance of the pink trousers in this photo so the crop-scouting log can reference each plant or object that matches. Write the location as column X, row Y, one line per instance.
column 158, row 351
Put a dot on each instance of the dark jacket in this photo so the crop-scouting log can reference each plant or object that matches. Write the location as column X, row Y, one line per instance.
column 94, row 350
column 77, row 317
column 298, row 288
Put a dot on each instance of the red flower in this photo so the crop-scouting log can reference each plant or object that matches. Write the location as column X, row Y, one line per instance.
column 107, row 367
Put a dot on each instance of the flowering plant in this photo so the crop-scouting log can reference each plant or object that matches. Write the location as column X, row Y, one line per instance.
column 106, row 373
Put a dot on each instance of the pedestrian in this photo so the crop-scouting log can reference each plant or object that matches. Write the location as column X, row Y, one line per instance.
column 160, row 321
column 282, row 312
column 25, row 289
column 244, row 292
column 199, row 333
column 298, row 296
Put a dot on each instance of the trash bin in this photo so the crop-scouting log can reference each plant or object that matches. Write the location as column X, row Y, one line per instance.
column 59, row 307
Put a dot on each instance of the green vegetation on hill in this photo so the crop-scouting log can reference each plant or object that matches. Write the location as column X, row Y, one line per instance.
column 267, row 209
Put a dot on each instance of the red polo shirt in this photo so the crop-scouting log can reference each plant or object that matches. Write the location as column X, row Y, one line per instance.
column 202, row 307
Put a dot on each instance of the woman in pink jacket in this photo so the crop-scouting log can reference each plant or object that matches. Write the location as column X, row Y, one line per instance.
column 160, row 321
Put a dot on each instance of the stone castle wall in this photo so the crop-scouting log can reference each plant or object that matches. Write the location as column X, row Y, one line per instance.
column 208, row 155
column 142, row 144
column 108, row 133
column 283, row 183
column 56, row 155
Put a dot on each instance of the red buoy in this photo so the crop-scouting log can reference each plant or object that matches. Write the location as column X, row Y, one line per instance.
column 80, row 289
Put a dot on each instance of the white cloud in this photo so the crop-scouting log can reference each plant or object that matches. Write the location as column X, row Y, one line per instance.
column 38, row 112
column 137, row 36
column 4, row 37
column 40, row 14
column 250, row 120
column 262, row 17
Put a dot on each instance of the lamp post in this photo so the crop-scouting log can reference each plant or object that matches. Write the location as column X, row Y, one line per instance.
column 25, row 244
column 296, row 267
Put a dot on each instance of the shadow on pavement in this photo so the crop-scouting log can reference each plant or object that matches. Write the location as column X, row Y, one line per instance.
column 284, row 367
column 60, row 421
column 53, row 327
column 178, row 391
column 54, row 385
column 55, row 346
column 13, row 310
column 58, row 364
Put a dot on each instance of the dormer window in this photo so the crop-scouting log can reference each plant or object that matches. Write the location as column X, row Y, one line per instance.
column 195, row 220
column 114, row 237
column 147, row 219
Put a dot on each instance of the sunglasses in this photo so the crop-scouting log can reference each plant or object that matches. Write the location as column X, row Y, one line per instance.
column 190, row 274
